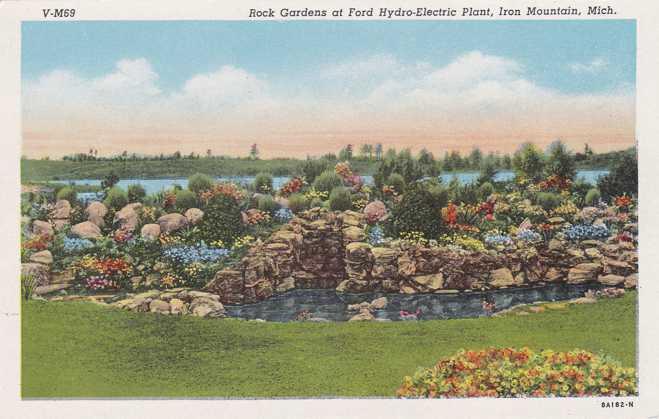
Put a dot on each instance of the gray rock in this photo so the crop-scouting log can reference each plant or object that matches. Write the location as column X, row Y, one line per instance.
column 172, row 222
column 194, row 215
column 86, row 230
column 62, row 209
column 126, row 219
column 583, row 272
column 44, row 257
column 42, row 228
column 502, row 277
column 159, row 306
column 178, row 306
column 611, row 279
column 96, row 212
column 631, row 281
column 150, row 231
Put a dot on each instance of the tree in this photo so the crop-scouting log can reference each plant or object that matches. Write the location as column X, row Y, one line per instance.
column 475, row 158
column 623, row 178
column 560, row 161
column 378, row 151
column 529, row 162
column 254, row 152
column 428, row 163
column 403, row 164
column 366, row 151
column 346, row 153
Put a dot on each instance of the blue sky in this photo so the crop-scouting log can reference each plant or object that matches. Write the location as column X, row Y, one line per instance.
column 297, row 86
column 288, row 51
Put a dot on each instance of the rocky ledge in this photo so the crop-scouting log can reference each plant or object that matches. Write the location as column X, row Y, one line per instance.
column 177, row 301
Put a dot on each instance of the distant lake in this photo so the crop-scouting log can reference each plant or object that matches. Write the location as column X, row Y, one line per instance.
column 157, row 185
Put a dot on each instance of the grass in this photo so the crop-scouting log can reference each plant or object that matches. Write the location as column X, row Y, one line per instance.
column 77, row 349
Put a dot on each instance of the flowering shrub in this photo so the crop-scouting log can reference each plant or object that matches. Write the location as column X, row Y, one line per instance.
column 283, row 215
column 254, row 217
column 101, row 273
column 121, row 236
column 228, row 190
column 495, row 239
column 450, row 214
column 292, row 186
column 462, row 241
column 376, row 236
column 375, row 211
column 343, row 169
column 414, row 237
column 99, row 283
column 187, row 254
column 36, row 243
column 565, row 210
column 73, row 245
column 312, row 194
column 587, row 232
column 528, row 236
column 555, row 182
column 622, row 201
column 359, row 204
column 511, row 372
column 241, row 242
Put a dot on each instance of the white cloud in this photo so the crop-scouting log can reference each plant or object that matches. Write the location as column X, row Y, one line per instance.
column 594, row 66
column 374, row 65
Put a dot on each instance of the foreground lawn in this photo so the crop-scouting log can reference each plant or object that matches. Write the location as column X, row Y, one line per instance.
column 84, row 350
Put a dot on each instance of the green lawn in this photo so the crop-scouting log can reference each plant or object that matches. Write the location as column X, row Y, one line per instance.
column 76, row 349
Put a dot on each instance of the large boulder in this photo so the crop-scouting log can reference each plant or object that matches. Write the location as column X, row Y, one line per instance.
column 86, row 230
column 62, row 210
column 150, row 231
column 353, row 234
column 96, row 212
column 611, row 280
column 42, row 228
column 127, row 219
column 631, row 281
column 206, row 307
column 194, row 215
column 429, row 283
column 159, row 306
column 44, row 257
column 583, row 272
column 502, row 277
column 172, row 222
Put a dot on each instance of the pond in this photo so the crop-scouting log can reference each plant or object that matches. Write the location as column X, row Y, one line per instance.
column 157, row 185
column 327, row 305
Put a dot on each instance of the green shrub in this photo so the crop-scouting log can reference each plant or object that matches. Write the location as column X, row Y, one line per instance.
column 312, row 168
column 529, row 162
column 548, row 200
column 402, row 163
column 623, row 178
column 469, row 193
column 485, row 190
column 592, row 197
column 185, row 199
column 327, row 181
column 511, row 372
column 263, row 183
column 267, row 204
column 560, row 162
column 297, row 202
column 200, row 182
column 397, row 181
column 340, row 199
column 419, row 210
column 136, row 193
column 67, row 193
column 115, row 198
column 222, row 220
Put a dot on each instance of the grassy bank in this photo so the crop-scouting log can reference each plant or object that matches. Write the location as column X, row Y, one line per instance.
column 83, row 350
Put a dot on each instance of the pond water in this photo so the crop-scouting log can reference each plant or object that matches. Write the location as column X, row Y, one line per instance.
column 157, row 185
column 323, row 304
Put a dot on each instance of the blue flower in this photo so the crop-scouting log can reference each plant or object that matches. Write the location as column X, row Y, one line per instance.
column 587, row 232
column 498, row 240
column 283, row 215
column 528, row 236
column 75, row 245
column 185, row 254
column 375, row 236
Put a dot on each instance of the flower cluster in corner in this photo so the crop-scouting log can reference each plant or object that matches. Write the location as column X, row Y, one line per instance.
column 511, row 372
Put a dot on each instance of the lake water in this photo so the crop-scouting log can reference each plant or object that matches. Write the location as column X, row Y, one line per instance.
column 328, row 305
column 157, row 185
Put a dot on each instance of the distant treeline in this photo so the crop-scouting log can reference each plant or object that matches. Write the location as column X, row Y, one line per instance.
column 365, row 160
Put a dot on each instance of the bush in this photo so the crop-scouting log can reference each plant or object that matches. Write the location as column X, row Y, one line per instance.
column 510, row 372
column 397, row 182
column 67, row 193
column 592, row 197
column 623, row 179
column 266, row 204
column 222, row 220
column 136, row 193
column 560, row 162
column 311, row 169
column 485, row 190
column 297, row 202
column 340, row 199
column 529, row 163
column 116, row 198
column 185, row 199
column 316, row 203
column 419, row 210
column 327, row 181
column 548, row 200
column 263, row 183
column 199, row 182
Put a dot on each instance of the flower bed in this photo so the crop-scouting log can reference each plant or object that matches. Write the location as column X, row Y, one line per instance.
column 510, row 372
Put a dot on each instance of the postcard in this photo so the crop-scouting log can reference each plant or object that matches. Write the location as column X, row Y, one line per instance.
column 330, row 209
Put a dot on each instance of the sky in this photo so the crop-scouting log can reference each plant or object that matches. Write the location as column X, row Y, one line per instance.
column 300, row 88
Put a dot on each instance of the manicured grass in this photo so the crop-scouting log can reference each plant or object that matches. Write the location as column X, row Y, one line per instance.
column 76, row 349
